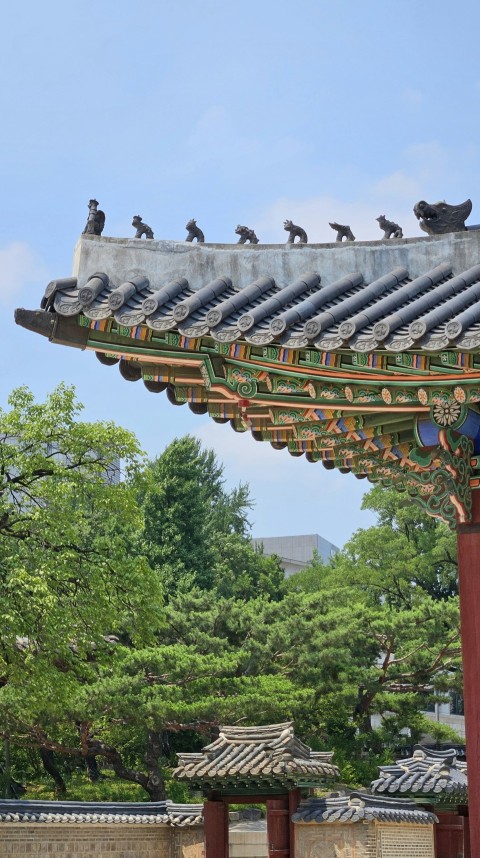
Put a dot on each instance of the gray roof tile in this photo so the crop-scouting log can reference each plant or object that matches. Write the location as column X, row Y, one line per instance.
column 358, row 807
column 164, row 812
column 270, row 753
column 426, row 772
column 436, row 309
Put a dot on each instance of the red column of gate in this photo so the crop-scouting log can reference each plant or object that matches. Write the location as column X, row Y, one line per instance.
column 215, row 829
column 294, row 799
column 449, row 842
column 278, row 827
column 469, row 582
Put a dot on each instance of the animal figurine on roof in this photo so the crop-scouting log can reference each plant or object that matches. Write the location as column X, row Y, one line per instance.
column 194, row 231
column 390, row 228
column 95, row 220
column 440, row 218
column 343, row 232
column 246, row 234
column 141, row 228
column 295, row 232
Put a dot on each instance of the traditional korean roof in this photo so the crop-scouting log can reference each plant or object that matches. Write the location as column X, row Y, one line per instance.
column 364, row 356
column 361, row 807
column 425, row 773
column 163, row 812
column 255, row 756
column 428, row 303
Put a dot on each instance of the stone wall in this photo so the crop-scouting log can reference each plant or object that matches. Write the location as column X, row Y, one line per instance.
column 248, row 844
column 31, row 840
column 364, row 840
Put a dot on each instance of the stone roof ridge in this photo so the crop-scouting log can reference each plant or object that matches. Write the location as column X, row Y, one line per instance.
column 322, row 755
column 421, row 752
column 269, row 732
column 358, row 806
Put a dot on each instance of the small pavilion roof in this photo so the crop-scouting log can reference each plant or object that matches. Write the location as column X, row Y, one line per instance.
column 255, row 756
column 163, row 812
column 361, row 807
column 425, row 773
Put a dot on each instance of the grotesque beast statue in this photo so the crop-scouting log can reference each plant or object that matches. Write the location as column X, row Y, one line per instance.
column 95, row 220
column 194, row 231
column 246, row 234
column 141, row 228
column 295, row 232
column 440, row 217
column 343, row 232
column 390, row 228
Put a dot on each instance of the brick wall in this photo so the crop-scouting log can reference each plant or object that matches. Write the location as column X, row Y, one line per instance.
column 405, row 841
column 335, row 840
column 131, row 840
column 363, row 840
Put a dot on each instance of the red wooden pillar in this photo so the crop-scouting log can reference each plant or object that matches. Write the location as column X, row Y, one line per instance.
column 449, row 839
column 468, row 537
column 215, row 829
column 294, row 799
column 278, row 827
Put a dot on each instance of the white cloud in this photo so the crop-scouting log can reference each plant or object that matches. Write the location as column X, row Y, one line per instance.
column 19, row 268
column 315, row 214
column 398, row 186
column 413, row 97
column 216, row 137
column 423, row 167
column 428, row 161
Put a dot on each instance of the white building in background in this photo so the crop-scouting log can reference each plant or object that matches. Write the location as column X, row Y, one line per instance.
column 296, row 552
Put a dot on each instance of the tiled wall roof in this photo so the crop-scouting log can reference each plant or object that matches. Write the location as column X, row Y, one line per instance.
column 425, row 773
column 165, row 812
column 359, row 807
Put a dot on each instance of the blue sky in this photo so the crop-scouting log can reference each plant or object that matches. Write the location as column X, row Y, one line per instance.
column 246, row 112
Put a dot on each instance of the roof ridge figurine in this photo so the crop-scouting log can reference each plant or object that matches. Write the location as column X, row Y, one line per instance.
column 295, row 232
column 390, row 228
column 343, row 231
column 95, row 220
column 246, row 234
column 142, row 228
column 194, row 231
column 439, row 218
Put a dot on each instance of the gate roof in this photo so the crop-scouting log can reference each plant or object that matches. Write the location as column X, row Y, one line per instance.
column 255, row 757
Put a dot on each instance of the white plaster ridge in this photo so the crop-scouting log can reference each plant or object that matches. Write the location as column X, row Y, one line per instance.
column 163, row 261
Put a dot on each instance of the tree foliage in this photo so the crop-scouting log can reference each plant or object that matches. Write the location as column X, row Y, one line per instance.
column 139, row 617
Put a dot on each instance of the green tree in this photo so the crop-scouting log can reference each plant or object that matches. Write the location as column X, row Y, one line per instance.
column 398, row 580
column 70, row 579
column 349, row 649
column 197, row 532
column 404, row 552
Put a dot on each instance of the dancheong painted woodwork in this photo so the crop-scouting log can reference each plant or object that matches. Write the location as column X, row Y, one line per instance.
column 364, row 357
